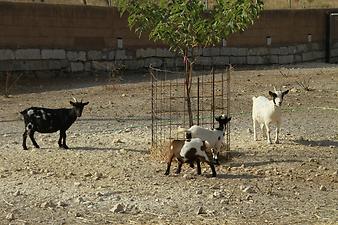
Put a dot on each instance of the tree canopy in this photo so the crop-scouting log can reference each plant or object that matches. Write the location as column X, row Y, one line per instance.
column 185, row 24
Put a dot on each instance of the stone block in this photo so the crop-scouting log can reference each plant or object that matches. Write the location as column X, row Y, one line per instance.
column 204, row 61
column 301, row 48
column 273, row 59
column 206, row 52
column 298, row 58
column 215, row 51
column 319, row 55
column 149, row 52
column 334, row 52
column 87, row 66
column 239, row 51
column 6, row 54
column 76, row 67
column 238, row 60
column 221, row 60
column 198, row 51
column 286, row 59
column 226, row 51
column 120, row 54
column 53, row 54
column 256, row 60
column 164, row 52
column 76, row 55
column 27, row 54
column 292, row 50
column 258, row 51
column 307, row 56
column 134, row 64
column 275, row 51
column 57, row 64
column 283, row 51
column 169, row 63
column 154, row 62
column 94, row 55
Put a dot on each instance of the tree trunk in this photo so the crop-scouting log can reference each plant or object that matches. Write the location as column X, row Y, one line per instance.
column 188, row 81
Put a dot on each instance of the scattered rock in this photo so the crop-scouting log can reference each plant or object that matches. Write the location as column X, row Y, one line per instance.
column 77, row 184
column 198, row 192
column 47, row 204
column 88, row 174
column 322, row 188
column 118, row 208
column 61, row 204
column 79, row 200
column 249, row 131
column 10, row 216
column 17, row 193
column 247, row 189
column 98, row 176
column 200, row 210
column 117, row 141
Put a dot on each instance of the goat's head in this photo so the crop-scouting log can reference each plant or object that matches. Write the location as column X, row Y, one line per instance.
column 78, row 106
column 277, row 96
column 222, row 120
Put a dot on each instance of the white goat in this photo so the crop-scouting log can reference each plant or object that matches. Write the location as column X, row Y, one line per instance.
column 265, row 111
column 214, row 137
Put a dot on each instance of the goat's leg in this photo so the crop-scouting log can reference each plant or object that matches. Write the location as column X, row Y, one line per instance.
column 64, row 140
column 198, row 167
column 263, row 130
column 254, row 129
column 268, row 133
column 277, row 132
column 24, row 140
column 31, row 135
column 60, row 140
column 179, row 167
column 169, row 164
column 212, row 169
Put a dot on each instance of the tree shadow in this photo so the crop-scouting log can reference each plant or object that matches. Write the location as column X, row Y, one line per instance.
column 89, row 148
column 323, row 143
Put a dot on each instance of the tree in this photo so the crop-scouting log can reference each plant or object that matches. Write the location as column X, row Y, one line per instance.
column 186, row 24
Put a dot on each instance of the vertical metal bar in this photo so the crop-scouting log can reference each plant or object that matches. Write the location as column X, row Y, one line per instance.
column 170, row 116
column 198, row 100
column 228, row 105
column 222, row 83
column 152, row 107
column 213, row 98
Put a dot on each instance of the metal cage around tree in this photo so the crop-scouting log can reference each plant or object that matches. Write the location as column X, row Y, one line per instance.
column 210, row 97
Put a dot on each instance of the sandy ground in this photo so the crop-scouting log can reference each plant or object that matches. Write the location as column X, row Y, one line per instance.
column 109, row 177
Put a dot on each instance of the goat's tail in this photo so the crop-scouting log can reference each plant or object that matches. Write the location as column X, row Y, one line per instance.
column 253, row 98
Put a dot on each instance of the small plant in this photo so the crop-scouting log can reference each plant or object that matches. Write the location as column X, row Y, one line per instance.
column 305, row 84
column 10, row 84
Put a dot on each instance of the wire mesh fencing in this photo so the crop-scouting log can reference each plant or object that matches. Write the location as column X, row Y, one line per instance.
column 210, row 97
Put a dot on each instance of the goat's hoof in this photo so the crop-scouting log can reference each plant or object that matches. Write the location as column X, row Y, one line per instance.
column 65, row 147
column 276, row 142
column 25, row 148
column 166, row 173
column 37, row 146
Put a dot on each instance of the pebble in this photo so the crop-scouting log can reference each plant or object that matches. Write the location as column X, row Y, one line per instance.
column 77, row 184
column 116, row 141
column 200, row 210
column 322, row 188
column 247, row 189
column 10, row 216
column 17, row 193
column 47, row 204
column 61, row 204
column 79, row 200
column 198, row 192
column 118, row 208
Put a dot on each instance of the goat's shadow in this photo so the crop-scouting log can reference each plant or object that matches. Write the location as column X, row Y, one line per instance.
column 322, row 143
column 246, row 176
column 262, row 163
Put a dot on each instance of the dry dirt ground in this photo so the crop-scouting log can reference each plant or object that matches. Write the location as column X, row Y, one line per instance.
column 109, row 177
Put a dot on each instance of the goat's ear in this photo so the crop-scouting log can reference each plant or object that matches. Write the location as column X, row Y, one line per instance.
column 86, row 103
column 272, row 94
column 228, row 120
column 72, row 103
column 285, row 92
column 217, row 118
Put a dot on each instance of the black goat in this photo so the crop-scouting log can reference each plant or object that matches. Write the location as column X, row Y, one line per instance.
column 44, row 120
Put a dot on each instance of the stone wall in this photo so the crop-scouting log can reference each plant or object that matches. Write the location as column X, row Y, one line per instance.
column 106, row 60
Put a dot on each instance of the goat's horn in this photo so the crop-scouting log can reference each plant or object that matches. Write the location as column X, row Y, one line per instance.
column 274, row 88
column 74, row 99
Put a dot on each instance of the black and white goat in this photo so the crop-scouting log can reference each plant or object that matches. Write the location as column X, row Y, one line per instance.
column 214, row 137
column 265, row 111
column 189, row 151
column 45, row 120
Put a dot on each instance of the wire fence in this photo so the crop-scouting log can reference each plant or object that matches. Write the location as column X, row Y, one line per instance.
column 210, row 97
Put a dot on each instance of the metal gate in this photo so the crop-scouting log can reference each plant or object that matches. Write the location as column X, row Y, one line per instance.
column 210, row 97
